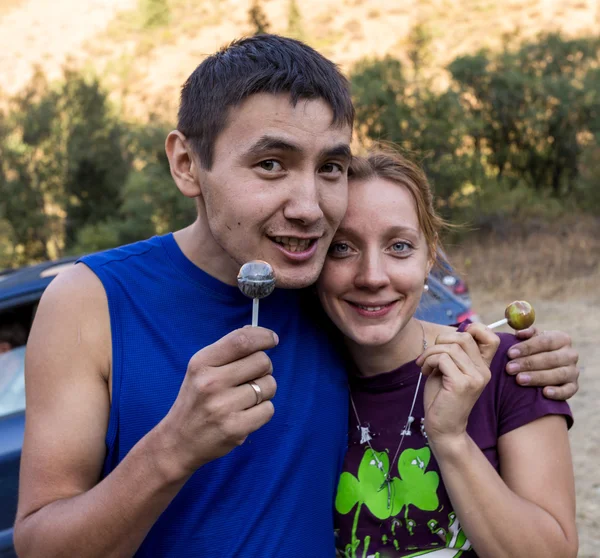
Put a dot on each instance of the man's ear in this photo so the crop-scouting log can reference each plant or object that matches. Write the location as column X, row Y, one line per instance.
column 183, row 164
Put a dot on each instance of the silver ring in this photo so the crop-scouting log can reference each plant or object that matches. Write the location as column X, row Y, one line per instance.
column 257, row 391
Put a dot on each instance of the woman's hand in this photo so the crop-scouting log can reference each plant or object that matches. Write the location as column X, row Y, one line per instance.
column 457, row 371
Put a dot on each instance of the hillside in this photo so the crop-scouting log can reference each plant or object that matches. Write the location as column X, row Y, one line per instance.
column 144, row 67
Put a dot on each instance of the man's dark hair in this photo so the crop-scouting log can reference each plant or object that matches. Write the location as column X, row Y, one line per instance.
column 259, row 64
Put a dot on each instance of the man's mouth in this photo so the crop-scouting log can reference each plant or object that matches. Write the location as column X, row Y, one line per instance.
column 293, row 243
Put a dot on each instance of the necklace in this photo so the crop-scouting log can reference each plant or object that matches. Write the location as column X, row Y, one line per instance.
column 366, row 437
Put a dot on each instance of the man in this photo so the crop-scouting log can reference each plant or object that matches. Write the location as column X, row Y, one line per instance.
column 150, row 422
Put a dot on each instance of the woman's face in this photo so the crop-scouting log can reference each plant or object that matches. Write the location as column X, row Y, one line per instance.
column 377, row 264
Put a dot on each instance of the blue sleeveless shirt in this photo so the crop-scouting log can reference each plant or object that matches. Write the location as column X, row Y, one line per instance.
column 273, row 495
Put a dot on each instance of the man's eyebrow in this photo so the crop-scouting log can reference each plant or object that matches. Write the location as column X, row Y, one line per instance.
column 342, row 151
column 273, row 143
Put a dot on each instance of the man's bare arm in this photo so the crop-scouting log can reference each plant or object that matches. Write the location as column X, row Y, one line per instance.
column 63, row 508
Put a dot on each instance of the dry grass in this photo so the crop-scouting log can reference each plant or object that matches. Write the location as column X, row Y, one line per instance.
column 545, row 261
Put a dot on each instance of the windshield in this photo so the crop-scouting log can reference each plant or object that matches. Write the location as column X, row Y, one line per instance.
column 12, row 381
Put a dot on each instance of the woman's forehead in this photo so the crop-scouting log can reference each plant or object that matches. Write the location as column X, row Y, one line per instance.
column 382, row 200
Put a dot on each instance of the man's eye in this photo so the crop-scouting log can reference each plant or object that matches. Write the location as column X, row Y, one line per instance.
column 270, row 165
column 332, row 168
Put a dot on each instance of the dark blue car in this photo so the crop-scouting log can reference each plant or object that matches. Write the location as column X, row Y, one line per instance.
column 20, row 292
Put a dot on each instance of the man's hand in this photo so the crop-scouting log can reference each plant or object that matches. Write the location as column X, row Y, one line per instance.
column 547, row 359
column 216, row 407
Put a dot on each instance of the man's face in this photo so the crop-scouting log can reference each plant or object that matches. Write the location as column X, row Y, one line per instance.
column 278, row 186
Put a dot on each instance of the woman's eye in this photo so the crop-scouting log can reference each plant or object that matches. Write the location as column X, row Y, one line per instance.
column 401, row 247
column 270, row 165
column 339, row 249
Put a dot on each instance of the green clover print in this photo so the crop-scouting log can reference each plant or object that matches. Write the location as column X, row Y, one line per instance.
column 415, row 486
column 368, row 488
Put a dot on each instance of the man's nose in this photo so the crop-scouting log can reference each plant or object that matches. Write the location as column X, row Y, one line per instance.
column 304, row 205
column 372, row 274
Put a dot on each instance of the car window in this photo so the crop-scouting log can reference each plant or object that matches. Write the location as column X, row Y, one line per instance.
column 12, row 381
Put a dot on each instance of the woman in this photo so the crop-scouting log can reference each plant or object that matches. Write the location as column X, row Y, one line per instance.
column 447, row 455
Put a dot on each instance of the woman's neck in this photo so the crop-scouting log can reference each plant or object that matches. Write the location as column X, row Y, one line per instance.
column 406, row 346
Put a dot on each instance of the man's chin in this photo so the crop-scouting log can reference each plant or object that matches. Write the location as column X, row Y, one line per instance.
column 296, row 279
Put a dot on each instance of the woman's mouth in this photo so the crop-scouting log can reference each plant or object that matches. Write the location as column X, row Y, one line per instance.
column 372, row 310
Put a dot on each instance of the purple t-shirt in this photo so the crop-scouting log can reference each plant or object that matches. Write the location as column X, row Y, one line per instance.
column 413, row 515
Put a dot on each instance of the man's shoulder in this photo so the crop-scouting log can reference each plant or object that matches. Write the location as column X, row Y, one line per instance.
column 122, row 253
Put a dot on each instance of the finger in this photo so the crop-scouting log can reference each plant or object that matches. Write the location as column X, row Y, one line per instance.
column 565, row 356
column 443, row 363
column 461, row 341
column 526, row 333
column 487, row 341
column 234, row 346
column 468, row 342
column 540, row 343
column 246, row 369
column 244, row 396
column 448, row 339
column 561, row 393
column 555, row 377
column 254, row 417
column 446, row 354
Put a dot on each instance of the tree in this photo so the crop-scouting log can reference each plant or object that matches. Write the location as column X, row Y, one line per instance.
column 427, row 124
column 295, row 24
column 63, row 164
column 530, row 110
column 155, row 13
column 258, row 18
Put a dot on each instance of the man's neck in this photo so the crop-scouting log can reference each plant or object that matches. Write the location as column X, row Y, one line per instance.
column 199, row 246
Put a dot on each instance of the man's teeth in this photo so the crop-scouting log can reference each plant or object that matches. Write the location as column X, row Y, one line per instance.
column 293, row 244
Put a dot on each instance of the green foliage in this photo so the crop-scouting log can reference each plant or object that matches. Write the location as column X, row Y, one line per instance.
column 295, row 23
column 154, row 13
column 526, row 119
column 62, row 164
column 73, row 178
column 430, row 126
column 529, row 108
column 258, row 18
column 149, row 201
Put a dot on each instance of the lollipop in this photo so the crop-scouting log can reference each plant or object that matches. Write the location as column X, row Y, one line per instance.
column 518, row 315
column 256, row 280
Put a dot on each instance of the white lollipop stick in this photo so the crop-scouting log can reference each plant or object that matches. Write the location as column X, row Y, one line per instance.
column 498, row 323
column 255, row 312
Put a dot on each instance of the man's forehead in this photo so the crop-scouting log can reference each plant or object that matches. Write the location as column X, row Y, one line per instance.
column 265, row 114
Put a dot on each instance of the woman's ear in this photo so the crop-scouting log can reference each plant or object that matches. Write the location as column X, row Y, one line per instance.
column 184, row 168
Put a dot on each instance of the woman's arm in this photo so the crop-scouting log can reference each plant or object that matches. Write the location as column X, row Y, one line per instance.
column 530, row 510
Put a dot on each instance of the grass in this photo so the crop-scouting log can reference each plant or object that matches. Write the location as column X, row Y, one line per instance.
column 536, row 258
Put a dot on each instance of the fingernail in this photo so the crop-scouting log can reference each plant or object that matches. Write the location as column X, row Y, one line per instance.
column 514, row 353
column 276, row 338
column 513, row 367
column 550, row 392
column 523, row 379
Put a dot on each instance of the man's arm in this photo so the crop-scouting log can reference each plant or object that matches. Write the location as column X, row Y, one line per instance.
column 545, row 359
column 63, row 508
